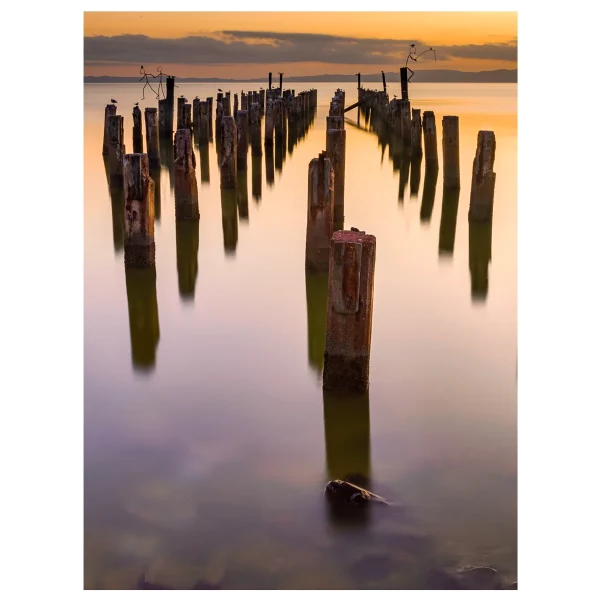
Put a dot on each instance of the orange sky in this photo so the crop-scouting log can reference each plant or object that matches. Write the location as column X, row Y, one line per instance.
column 433, row 28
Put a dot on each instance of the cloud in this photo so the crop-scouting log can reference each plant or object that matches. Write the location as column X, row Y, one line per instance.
column 260, row 47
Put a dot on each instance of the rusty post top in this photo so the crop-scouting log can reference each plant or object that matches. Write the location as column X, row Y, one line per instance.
column 353, row 237
column 149, row 109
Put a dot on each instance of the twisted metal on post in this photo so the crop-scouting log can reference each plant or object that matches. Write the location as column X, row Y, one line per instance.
column 411, row 56
column 145, row 76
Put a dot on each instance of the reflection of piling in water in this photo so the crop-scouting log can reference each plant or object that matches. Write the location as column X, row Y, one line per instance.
column 242, row 193
column 269, row 166
column 349, row 311
column 348, row 450
column 167, row 158
column 269, row 122
column 139, row 212
column 278, row 153
column 256, row 177
column 415, row 174
column 448, row 220
column 430, row 138
column 228, row 153
column 404, row 173
column 230, row 219
column 138, row 139
column 242, row 139
column 118, row 209
column 319, row 225
column 316, row 311
column 186, row 186
column 187, row 240
column 151, row 117
column 204, row 163
column 416, row 147
column 480, row 255
column 336, row 152
column 143, row 316
column 431, row 175
column 109, row 111
column 450, row 152
column 155, row 174
column 483, row 183
column 116, row 150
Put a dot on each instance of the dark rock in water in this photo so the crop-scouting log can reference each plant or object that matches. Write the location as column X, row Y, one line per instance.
column 480, row 578
column 205, row 585
column 343, row 491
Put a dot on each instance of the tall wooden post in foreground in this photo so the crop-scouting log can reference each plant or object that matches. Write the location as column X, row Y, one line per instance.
column 228, row 153
column 450, row 152
column 138, row 140
column 483, row 183
column 151, row 117
column 430, row 138
column 116, row 149
column 139, row 211
column 349, row 311
column 319, row 225
column 186, row 186
column 109, row 111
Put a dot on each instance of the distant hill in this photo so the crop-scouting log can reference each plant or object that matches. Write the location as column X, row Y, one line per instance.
column 433, row 76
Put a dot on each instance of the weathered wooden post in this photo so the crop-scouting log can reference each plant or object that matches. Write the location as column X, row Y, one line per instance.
column 336, row 152
column 319, row 226
column 227, row 105
column 163, row 118
column 270, row 80
column 483, row 183
column 138, row 143
column 229, row 215
column 180, row 113
column 278, row 116
column 203, row 123
column 196, row 119
column 187, row 116
column 139, row 211
column 404, row 82
column 228, row 156
column 116, row 149
column 142, row 306
column 209, row 100
column 187, row 242
column 186, row 186
column 406, row 122
column 242, row 139
column 415, row 133
column 349, row 311
column 151, row 117
column 347, row 437
column 109, row 111
column 480, row 256
column 384, row 86
column 269, row 118
column 170, row 103
column 219, row 113
column 450, row 152
column 280, row 83
column 448, row 220
column 235, row 106
column 431, row 175
column 430, row 136
column 261, row 101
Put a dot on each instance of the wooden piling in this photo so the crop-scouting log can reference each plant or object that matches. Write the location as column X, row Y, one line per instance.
column 269, row 123
column 257, row 175
column 196, row 118
column 186, row 186
column 349, row 311
column 151, row 118
column 139, row 211
column 204, row 122
column 109, row 111
column 270, row 80
column 319, row 227
column 404, row 82
column 358, row 74
column 227, row 105
column 416, row 147
column 235, row 106
column 405, row 119
column 180, row 113
column 170, row 103
column 430, row 137
column 163, row 118
column 209, row 100
column 242, row 139
column 260, row 101
column 450, row 152
column 336, row 152
column 116, row 149
column 138, row 143
column 187, row 116
column 228, row 154
column 383, row 78
column 483, row 183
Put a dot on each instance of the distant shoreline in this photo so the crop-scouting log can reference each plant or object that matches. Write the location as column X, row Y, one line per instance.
column 432, row 76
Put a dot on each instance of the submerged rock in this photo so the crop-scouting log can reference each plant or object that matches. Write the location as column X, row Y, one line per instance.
column 345, row 492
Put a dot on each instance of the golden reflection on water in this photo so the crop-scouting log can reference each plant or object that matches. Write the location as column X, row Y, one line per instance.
column 221, row 432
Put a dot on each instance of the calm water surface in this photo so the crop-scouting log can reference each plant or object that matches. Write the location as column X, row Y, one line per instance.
column 208, row 440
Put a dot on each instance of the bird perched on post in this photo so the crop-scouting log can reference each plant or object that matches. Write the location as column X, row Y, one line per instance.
column 113, row 101
column 219, row 90
column 136, row 103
